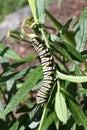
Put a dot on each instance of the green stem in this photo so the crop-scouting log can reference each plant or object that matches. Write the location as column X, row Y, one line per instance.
column 44, row 37
column 32, row 4
column 43, row 118
column 58, row 86
column 17, row 38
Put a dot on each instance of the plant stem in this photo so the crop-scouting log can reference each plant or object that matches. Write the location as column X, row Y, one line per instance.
column 44, row 37
column 43, row 118
column 33, row 8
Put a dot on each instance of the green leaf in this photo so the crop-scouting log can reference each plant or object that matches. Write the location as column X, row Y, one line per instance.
column 68, row 48
column 52, row 95
column 77, row 113
column 38, row 85
column 8, row 74
column 48, row 121
column 8, row 52
column 28, row 58
column 9, row 84
column 32, row 4
column 75, row 79
column 71, row 124
column 3, row 59
column 1, row 112
column 20, row 123
column 36, row 113
column 41, row 10
column 22, row 128
column 66, row 26
column 47, row 2
column 34, row 76
column 73, row 51
column 60, row 64
column 15, row 126
column 13, row 76
column 62, row 51
column 68, row 36
column 82, row 91
column 81, row 35
column 78, row 71
column 43, row 118
column 60, row 107
column 75, row 110
column 57, row 122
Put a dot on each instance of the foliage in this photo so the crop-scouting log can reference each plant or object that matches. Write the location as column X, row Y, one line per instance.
column 9, row 6
column 67, row 105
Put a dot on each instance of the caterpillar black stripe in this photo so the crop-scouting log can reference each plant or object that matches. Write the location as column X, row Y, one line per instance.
column 48, row 71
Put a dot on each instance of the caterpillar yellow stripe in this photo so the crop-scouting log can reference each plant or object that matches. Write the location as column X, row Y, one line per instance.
column 47, row 62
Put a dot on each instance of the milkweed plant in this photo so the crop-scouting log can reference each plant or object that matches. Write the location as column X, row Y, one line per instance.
column 59, row 81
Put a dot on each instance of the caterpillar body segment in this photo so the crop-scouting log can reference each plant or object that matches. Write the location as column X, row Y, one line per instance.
column 48, row 71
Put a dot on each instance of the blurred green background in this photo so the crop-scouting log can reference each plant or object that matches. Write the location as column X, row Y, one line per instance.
column 8, row 6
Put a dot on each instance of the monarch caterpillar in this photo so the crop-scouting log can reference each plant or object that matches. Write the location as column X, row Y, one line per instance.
column 47, row 63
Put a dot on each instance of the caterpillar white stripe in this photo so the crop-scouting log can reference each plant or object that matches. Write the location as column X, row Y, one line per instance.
column 48, row 71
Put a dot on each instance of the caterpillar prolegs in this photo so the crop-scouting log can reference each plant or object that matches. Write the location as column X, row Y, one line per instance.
column 48, row 71
column 46, row 61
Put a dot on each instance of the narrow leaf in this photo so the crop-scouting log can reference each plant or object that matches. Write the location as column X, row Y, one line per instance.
column 8, row 52
column 68, row 36
column 13, row 76
column 3, row 59
column 41, row 10
column 1, row 112
column 43, row 118
column 15, row 126
column 82, row 91
column 48, row 121
column 75, row 109
column 26, row 87
column 32, row 4
column 62, row 51
column 68, row 48
column 28, row 58
column 66, row 27
column 75, row 79
column 48, row 2
column 73, row 51
column 81, row 35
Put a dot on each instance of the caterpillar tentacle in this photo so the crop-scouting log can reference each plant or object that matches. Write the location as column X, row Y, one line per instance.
column 48, row 71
